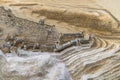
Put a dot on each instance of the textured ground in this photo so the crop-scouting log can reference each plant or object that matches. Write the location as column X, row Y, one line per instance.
column 32, row 66
column 99, row 61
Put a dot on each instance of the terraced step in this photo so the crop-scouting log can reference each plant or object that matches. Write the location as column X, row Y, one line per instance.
column 81, row 58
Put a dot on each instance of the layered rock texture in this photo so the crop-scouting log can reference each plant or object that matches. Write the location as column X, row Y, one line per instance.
column 99, row 60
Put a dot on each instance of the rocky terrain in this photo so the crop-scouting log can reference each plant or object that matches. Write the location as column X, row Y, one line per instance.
column 97, row 61
column 37, row 66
